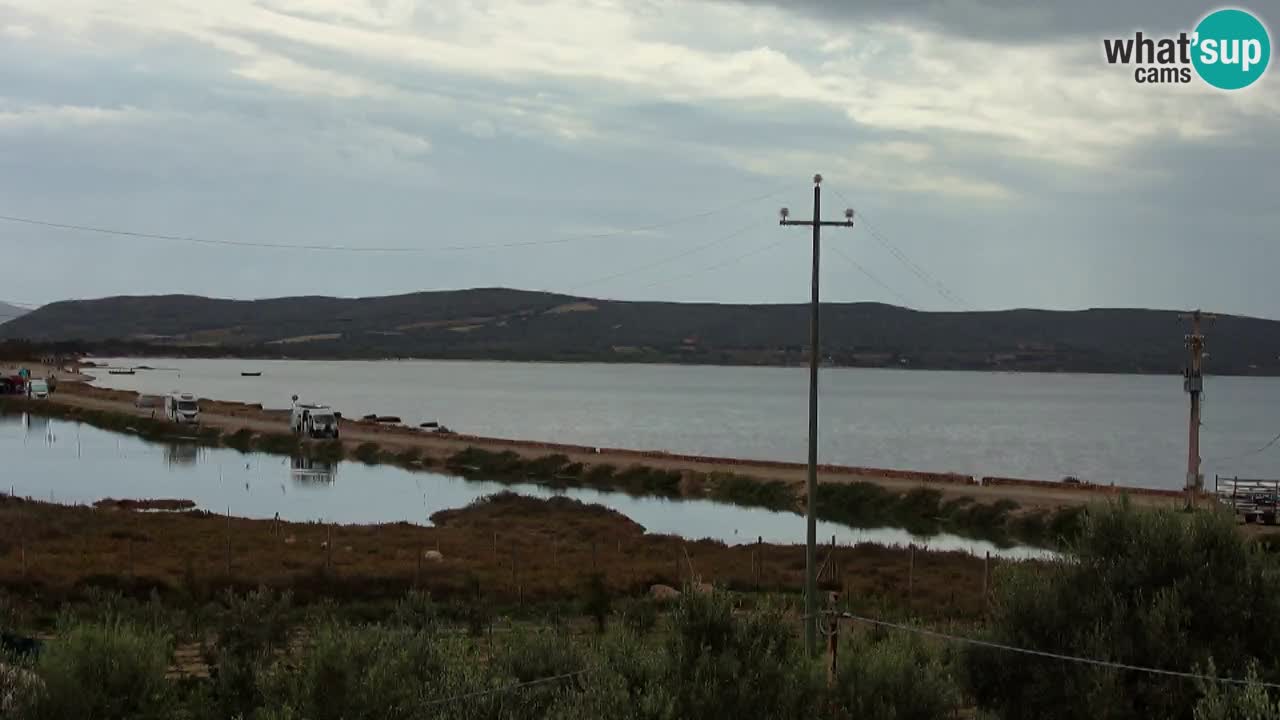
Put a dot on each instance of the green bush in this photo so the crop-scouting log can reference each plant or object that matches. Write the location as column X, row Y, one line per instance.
column 718, row 665
column 751, row 492
column 113, row 670
column 354, row 672
column 367, row 452
column 1152, row 588
column 1235, row 702
column 249, row 629
column 639, row 615
column 894, row 677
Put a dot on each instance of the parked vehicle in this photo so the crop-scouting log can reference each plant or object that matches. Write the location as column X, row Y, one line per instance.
column 316, row 421
column 37, row 389
column 182, row 408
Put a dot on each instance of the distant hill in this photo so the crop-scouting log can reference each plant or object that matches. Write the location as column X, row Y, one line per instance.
column 11, row 312
column 507, row 324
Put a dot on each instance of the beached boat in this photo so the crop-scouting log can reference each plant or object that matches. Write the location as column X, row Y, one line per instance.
column 251, row 374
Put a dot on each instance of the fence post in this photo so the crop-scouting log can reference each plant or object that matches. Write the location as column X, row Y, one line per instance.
column 833, row 646
column 594, row 566
column 328, row 548
column 986, row 561
column 228, row 538
column 131, row 574
column 759, row 560
column 911, row 575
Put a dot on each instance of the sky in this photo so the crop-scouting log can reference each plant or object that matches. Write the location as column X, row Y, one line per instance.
column 630, row 149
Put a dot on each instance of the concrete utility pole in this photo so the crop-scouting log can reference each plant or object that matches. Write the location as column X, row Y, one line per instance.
column 1193, row 384
column 811, row 485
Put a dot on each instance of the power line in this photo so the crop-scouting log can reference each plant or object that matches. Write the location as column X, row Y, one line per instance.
column 1259, row 451
column 664, row 261
column 731, row 261
column 507, row 688
column 871, row 276
column 924, row 275
column 1053, row 656
column 389, row 249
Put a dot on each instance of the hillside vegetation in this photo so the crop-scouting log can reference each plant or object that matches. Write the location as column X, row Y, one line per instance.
column 522, row 325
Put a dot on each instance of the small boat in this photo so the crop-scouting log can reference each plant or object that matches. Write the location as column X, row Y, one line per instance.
column 120, row 372
column 251, row 374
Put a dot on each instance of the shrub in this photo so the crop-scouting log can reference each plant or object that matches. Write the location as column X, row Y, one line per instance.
column 639, row 615
column 250, row 629
column 1151, row 588
column 367, row 452
column 719, row 665
column 751, row 492
column 595, row 600
column 417, row 612
column 894, row 677
column 353, row 672
column 105, row 671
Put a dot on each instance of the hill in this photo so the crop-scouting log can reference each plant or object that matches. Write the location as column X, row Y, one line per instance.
column 497, row 323
column 11, row 312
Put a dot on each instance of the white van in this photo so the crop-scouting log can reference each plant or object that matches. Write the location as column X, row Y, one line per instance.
column 38, row 389
column 317, row 421
column 182, row 408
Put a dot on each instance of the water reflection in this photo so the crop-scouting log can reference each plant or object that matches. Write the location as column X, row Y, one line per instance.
column 309, row 471
column 181, row 453
column 81, row 464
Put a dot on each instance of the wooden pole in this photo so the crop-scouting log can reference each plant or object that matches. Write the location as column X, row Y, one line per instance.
column 986, row 562
column 911, row 575
column 328, row 547
column 833, row 646
column 228, row 533
column 759, row 560
column 594, row 565
column 417, row 571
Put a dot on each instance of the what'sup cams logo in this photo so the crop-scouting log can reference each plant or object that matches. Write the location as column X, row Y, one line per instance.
column 1229, row 49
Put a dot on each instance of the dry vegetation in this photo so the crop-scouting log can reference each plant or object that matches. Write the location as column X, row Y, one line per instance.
column 507, row 548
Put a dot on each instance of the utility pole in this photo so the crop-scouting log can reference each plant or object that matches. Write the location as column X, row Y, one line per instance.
column 811, row 483
column 1193, row 384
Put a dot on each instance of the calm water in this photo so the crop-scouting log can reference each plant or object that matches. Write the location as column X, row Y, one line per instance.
column 1126, row 429
column 74, row 463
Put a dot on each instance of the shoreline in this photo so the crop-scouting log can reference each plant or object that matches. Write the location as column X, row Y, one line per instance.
column 231, row 417
column 434, row 449
column 669, row 363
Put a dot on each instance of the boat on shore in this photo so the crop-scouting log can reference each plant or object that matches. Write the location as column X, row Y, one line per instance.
column 251, row 374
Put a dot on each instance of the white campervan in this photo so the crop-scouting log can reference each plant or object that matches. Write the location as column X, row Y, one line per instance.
column 182, row 408
column 317, row 421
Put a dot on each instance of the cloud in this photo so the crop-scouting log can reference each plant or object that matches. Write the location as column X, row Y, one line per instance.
column 1004, row 20
column 992, row 123
column 18, row 117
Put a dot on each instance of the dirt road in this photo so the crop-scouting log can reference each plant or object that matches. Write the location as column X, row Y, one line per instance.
column 230, row 417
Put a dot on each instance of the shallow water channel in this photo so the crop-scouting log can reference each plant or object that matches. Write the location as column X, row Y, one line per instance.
column 72, row 462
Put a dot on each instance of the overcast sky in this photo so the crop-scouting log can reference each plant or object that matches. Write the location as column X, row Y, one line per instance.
column 985, row 140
